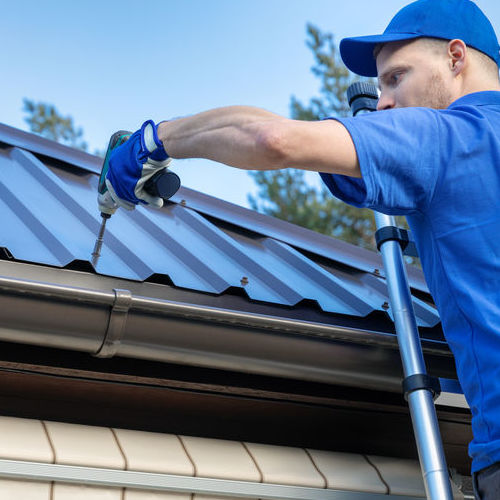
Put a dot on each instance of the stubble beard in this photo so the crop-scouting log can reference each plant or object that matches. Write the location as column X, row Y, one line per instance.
column 437, row 96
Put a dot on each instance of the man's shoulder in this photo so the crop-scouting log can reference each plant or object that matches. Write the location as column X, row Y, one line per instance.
column 485, row 98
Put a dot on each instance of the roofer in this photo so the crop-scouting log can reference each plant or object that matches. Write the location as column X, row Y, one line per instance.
column 432, row 153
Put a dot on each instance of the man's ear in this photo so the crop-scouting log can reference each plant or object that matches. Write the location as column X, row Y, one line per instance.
column 457, row 54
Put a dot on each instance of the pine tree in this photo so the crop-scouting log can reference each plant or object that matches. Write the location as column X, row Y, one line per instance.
column 44, row 119
column 284, row 193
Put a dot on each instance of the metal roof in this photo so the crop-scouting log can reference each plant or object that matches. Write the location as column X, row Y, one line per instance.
column 196, row 242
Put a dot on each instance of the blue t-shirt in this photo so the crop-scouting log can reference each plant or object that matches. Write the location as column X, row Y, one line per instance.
column 441, row 168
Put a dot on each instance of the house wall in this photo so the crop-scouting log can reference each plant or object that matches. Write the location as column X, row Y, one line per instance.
column 122, row 449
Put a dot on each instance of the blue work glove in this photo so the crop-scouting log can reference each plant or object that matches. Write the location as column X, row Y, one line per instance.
column 132, row 164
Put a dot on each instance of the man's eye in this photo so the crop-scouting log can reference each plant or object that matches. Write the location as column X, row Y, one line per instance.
column 395, row 77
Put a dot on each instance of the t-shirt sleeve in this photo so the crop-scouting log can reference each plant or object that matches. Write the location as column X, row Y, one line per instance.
column 398, row 153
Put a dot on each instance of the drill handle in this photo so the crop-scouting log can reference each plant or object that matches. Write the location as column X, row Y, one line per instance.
column 117, row 139
column 163, row 184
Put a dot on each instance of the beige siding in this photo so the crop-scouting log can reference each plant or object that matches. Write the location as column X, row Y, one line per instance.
column 24, row 490
column 154, row 452
column 72, row 444
column 24, row 439
column 402, row 476
column 84, row 445
column 81, row 492
column 221, row 459
column 347, row 471
column 155, row 495
column 285, row 465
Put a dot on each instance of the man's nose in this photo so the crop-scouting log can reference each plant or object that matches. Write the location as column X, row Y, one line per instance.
column 385, row 101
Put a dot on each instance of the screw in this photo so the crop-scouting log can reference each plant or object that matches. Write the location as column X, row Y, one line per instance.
column 376, row 272
column 385, row 306
column 244, row 281
column 183, row 203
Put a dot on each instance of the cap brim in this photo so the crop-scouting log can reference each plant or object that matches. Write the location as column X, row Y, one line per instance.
column 357, row 52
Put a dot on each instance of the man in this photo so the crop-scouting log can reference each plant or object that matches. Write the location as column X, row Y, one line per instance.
column 432, row 153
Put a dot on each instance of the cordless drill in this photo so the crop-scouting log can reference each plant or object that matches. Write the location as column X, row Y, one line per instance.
column 163, row 184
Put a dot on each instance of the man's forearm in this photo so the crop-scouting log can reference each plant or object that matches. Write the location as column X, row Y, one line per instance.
column 239, row 136
column 252, row 138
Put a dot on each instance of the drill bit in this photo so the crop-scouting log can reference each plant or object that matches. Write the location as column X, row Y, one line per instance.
column 98, row 242
column 106, row 204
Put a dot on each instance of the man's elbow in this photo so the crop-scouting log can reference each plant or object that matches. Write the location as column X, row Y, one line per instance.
column 274, row 146
column 316, row 146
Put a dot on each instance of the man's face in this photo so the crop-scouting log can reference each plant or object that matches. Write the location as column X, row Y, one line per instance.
column 413, row 74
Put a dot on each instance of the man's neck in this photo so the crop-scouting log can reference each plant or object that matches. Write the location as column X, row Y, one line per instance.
column 477, row 85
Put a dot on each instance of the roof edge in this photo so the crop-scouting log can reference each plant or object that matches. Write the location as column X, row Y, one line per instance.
column 40, row 145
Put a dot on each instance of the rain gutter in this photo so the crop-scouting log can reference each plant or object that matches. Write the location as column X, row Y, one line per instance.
column 120, row 323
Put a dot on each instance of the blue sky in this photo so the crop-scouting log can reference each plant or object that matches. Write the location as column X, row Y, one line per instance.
column 113, row 64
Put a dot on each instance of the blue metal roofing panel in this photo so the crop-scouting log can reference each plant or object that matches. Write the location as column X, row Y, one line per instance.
column 14, row 137
column 292, row 234
column 50, row 216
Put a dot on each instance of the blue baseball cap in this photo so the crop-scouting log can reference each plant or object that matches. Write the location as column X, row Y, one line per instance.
column 445, row 19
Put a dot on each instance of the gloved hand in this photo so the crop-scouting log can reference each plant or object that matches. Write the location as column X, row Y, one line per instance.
column 132, row 164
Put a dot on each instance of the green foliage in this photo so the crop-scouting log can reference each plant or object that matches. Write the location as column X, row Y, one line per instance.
column 44, row 119
column 284, row 193
column 334, row 76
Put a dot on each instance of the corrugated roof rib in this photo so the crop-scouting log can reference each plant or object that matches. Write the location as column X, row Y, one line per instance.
column 50, row 217
column 47, row 221
column 331, row 293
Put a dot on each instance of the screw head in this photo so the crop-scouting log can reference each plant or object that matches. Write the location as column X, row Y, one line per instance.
column 244, row 281
column 385, row 306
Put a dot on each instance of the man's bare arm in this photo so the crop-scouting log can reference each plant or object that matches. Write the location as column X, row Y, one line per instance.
column 255, row 139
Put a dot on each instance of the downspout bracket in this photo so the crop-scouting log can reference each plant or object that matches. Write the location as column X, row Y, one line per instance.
column 116, row 324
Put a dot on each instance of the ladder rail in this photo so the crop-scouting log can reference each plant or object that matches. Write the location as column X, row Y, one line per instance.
column 419, row 388
column 420, row 401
